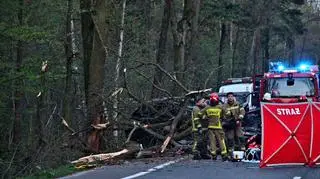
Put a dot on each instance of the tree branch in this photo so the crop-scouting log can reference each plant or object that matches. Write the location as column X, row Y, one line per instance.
column 167, row 73
column 210, row 75
column 125, row 86
column 156, row 86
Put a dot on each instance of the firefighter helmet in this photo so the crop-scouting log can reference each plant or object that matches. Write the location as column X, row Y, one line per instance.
column 214, row 98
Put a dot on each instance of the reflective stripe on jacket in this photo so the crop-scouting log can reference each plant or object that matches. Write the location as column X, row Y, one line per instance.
column 234, row 111
column 213, row 114
column 195, row 119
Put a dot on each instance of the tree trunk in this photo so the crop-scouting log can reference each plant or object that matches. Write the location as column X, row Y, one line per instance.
column 231, row 44
column 96, row 72
column 266, row 50
column 234, row 49
column 87, row 31
column 257, row 51
column 116, row 80
column 95, row 53
column 18, row 96
column 147, row 14
column 161, row 53
column 254, row 52
column 220, row 53
column 179, row 32
column 69, row 57
column 192, row 16
column 291, row 48
column 41, row 104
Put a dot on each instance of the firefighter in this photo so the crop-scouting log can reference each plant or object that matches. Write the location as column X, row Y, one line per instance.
column 197, row 128
column 213, row 114
column 234, row 113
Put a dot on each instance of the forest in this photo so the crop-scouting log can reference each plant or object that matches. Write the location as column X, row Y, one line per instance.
column 74, row 72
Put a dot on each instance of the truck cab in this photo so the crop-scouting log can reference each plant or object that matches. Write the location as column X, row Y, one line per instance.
column 290, row 85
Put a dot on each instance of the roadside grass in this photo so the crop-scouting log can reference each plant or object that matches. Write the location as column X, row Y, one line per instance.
column 55, row 173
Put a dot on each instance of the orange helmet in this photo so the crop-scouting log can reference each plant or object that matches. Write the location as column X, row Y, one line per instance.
column 214, row 98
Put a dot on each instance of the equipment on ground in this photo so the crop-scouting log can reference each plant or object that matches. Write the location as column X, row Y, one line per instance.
column 237, row 156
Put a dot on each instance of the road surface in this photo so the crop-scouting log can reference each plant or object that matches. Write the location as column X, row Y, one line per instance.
column 176, row 168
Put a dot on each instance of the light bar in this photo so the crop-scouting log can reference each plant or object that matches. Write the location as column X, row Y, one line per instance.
column 290, row 71
column 303, row 67
column 237, row 80
column 276, row 67
column 280, row 68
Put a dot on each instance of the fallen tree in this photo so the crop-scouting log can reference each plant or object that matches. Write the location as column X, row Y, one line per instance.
column 158, row 126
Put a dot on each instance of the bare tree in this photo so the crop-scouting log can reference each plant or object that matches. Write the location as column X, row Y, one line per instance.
column 95, row 55
column 161, row 53
column 116, row 79
column 223, row 35
column 69, row 51
column 18, row 94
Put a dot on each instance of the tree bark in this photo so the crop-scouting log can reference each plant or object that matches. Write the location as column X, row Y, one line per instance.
column 254, row 52
column 192, row 14
column 95, row 56
column 18, row 96
column 234, row 49
column 266, row 50
column 147, row 14
column 291, row 49
column 69, row 57
column 116, row 79
column 87, row 31
column 179, row 32
column 257, row 51
column 161, row 53
column 231, row 44
column 220, row 53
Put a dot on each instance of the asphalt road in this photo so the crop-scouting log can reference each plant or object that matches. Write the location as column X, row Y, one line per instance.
column 173, row 168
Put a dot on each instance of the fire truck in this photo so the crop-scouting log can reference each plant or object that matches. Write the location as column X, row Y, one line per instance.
column 290, row 84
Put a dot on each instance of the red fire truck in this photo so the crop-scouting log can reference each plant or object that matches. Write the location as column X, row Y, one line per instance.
column 290, row 85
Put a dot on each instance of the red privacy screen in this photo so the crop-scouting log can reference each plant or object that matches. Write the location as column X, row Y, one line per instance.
column 288, row 133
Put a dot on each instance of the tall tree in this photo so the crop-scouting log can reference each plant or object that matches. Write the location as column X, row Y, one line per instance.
column 95, row 49
column 161, row 53
column 117, row 79
column 192, row 40
column 223, row 35
column 179, row 32
column 18, row 95
column 67, row 105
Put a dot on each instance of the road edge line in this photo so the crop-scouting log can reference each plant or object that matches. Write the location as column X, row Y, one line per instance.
column 156, row 168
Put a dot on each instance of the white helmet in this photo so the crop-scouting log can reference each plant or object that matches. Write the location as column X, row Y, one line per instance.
column 267, row 96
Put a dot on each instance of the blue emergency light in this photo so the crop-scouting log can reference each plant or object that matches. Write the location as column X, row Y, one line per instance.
column 304, row 67
column 278, row 67
column 281, row 68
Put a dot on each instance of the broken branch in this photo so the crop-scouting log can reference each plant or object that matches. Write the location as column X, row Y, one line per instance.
column 167, row 73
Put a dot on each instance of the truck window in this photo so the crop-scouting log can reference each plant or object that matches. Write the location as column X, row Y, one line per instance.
column 278, row 87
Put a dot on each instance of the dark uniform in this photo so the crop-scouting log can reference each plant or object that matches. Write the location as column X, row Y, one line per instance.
column 196, row 127
column 199, row 148
column 234, row 113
